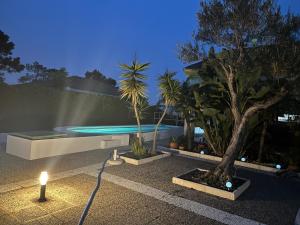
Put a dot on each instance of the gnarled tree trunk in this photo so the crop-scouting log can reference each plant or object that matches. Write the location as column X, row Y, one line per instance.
column 262, row 141
column 226, row 167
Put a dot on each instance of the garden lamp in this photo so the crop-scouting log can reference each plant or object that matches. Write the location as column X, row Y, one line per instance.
column 228, row 185
column 43, row 182
column 278, row 166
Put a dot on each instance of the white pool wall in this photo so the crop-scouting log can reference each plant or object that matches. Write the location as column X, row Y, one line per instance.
column 36, row 149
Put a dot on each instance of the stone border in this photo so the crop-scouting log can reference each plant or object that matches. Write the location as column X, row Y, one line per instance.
column 146, row 160
column 211, row 190
column 218, row 159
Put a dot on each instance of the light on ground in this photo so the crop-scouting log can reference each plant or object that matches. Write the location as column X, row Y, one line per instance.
column 43, row 178
column 278, row 166
column 243, row 159
column 228, row 184
column 43, row 182
column 202, row 152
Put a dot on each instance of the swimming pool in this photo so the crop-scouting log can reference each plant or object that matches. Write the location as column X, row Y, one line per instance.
column 127, row 129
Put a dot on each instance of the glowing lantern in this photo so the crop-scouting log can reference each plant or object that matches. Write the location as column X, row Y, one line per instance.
column 43, row 182
column 228, row 185
column 278, row 166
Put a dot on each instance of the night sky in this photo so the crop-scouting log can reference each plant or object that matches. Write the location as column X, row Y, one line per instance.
column 100, row 34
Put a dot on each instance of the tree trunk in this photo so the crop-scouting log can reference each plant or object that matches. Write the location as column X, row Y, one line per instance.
column 262, row 141
column 156, row 129
column 138, row 123
column 189, row 136
column 225, row 167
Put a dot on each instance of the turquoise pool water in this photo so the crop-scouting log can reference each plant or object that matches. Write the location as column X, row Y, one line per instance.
column 128, row 129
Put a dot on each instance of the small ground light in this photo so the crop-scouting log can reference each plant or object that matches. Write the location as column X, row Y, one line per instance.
column 243, row 159
column 43, row 182
column 278, row 166
column 202, row 152
column 228, row 185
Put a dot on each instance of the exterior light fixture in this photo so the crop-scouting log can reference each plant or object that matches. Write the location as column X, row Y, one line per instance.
column 228, row 185
column 43, row 182
column 202, row 152
column 243, row 159
column 278, row 166
column 116, row 160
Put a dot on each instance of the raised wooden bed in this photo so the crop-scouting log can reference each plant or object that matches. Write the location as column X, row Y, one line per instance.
column 218, row 159
column 144, row 160
column 231, row 195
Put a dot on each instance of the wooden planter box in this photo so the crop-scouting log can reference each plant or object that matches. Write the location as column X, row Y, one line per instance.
column 212, row 190
column 218, row 159
column 145, row 160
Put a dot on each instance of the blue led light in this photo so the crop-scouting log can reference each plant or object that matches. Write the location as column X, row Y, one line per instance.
column 198, row 130
column 228, row 184
column 278, row 166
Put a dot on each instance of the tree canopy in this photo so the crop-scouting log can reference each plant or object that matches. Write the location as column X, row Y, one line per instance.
column 256, row 65
column 37, row 73
column 97, row 75
column 8, row 63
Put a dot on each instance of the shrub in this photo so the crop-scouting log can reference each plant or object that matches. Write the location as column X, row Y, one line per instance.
column 173, row 139
column 137, row 149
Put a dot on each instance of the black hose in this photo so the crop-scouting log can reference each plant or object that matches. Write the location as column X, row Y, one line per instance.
column 91, row 199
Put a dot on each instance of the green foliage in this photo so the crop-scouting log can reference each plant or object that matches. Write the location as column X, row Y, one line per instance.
column 169, row 88
column 132, row 86
column 173, row 139
column 133, row 89
column 170, row 92
column 138, row 149
column 143, row 108
column 186, row 102
column 258, row 66
column 7, row 62
column 39, row 74
column 98, row 76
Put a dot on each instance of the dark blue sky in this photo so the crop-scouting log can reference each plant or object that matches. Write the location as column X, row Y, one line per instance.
column 100, row 34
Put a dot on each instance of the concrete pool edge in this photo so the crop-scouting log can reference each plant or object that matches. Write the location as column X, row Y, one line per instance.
column 32, row 149
column 36, row 149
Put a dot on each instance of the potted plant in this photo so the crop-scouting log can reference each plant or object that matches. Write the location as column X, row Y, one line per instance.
column 173, row 143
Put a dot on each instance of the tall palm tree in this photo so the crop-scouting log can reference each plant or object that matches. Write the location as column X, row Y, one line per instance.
column 133, row 88
column 170, row 92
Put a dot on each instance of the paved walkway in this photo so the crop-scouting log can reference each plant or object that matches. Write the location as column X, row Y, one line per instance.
column 135, row 194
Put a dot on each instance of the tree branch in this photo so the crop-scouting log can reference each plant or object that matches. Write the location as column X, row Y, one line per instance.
column 229, row 75
column 264, row 104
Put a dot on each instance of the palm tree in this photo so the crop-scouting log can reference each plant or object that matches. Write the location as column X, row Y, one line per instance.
column 133, row 88
column 170, row 91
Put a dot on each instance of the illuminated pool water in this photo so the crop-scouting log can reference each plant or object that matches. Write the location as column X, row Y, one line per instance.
column 127, row 129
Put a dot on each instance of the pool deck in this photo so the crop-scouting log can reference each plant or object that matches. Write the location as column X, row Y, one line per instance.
column 135, row 195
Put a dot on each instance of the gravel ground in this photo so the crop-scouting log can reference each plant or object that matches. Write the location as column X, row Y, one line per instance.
column 269, row 199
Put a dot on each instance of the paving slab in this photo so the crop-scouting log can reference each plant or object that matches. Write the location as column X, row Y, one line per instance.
column 14, row 169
